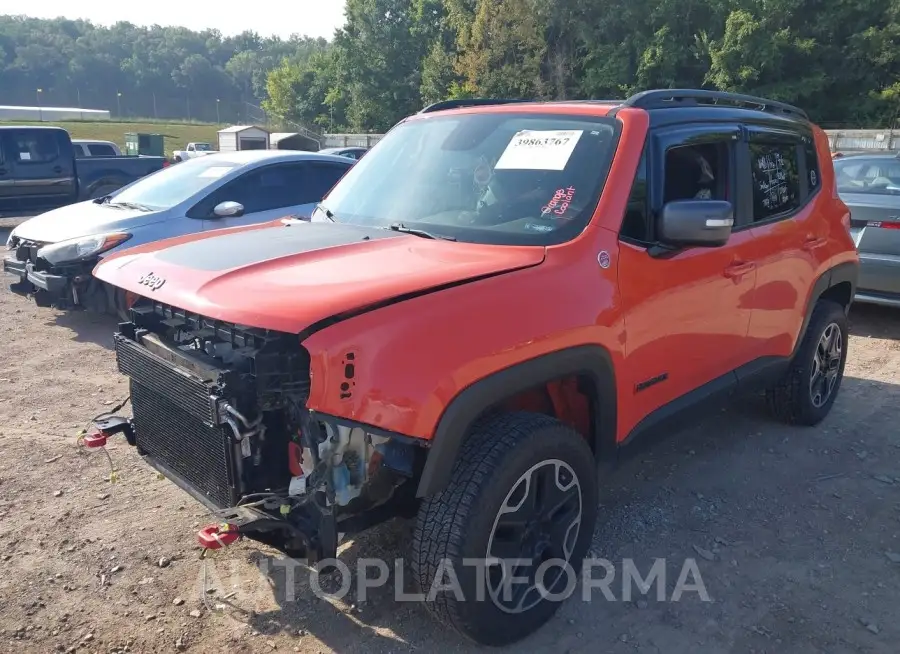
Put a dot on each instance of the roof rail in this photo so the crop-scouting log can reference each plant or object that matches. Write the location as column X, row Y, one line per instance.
column 663, row 98
column 467, row 102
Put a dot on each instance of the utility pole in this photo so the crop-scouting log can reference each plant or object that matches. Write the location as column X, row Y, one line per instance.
column 154, row 106
column 40, row 106
column 218, row 119
column 118, row 104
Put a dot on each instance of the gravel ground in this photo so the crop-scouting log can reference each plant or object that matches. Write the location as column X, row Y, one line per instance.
column 794, row 531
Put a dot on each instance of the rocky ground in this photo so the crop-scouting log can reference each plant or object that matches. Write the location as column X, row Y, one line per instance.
column 794, row 531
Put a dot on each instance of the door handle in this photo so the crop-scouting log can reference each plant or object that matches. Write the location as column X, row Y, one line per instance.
column 813, row 243
column 739, row 269
column 57, row 169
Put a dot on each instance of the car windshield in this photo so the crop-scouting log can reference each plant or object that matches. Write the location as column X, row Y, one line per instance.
column 500, row 178
column 879, row 176
column 175, row 184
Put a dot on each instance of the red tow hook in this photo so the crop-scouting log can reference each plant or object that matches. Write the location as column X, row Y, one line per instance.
column 107, row 425
column 217, row 536
column 94, row 439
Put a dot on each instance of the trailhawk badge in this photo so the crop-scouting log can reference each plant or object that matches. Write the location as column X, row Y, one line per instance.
column 151, row 280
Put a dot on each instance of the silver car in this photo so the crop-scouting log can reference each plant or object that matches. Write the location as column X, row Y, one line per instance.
column 869, row 184
column 51, row 256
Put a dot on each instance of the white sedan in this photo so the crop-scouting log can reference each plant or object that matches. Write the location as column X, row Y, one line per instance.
column 51, row 256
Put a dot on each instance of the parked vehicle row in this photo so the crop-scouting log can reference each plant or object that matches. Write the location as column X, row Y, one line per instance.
column 192, row 150
column 483, row 311
column 52, row 255
column 88, row 148
column 870, row 185
column 39, row 170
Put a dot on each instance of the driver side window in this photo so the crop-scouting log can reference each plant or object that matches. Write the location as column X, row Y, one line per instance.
column 693, row 169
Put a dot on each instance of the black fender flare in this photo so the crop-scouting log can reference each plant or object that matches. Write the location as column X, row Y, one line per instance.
column 847, row 272
column 591, row 361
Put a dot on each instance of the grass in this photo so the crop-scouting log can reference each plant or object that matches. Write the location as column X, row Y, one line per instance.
column 175, row 135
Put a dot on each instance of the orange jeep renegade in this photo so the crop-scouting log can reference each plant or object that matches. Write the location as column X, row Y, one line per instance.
column 486, row 308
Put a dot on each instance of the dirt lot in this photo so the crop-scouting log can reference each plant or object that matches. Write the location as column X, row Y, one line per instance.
column 795, row 532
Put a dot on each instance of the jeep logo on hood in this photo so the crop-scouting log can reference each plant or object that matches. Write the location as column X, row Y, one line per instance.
column 151, row 280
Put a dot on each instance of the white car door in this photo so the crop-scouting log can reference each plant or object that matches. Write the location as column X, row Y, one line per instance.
column 275, row 191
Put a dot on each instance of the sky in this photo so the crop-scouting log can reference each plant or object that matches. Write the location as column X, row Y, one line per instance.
column 267, row 17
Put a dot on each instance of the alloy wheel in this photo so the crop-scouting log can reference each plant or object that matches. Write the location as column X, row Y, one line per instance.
column 533, row 536
column 826, row 365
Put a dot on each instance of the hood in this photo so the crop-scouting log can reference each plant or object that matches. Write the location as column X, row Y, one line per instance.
column 83, row 219
column 288, row 275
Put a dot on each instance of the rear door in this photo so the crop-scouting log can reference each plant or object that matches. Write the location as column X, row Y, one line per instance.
column 43, row 166
column 790, row 235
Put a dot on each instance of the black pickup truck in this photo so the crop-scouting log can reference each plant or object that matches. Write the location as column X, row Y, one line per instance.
column 39, row 171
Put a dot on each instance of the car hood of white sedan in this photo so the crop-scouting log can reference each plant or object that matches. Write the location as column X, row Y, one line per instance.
column 84, row 219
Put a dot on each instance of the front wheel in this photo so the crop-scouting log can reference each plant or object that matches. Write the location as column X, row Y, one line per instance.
column 505, row 540
column 806, row 393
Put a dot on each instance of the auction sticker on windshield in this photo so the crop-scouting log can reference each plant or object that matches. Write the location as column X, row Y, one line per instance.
column 539, row 150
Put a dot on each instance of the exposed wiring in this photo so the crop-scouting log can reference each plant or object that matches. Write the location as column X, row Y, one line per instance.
column 79, row 441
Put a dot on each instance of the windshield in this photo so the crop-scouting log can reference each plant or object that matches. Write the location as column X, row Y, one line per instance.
column 523, row 179
column 879, row 176
column 202, row 147
column 175, row 184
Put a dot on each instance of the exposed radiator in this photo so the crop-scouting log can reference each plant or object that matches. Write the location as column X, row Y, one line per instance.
column 174, row 426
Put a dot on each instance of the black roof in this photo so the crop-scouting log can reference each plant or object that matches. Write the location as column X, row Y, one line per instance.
column 737, row 105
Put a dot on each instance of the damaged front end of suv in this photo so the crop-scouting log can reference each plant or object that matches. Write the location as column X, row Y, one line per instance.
column 220, row 409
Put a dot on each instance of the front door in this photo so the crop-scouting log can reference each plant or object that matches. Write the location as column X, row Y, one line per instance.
column 275, row 191
column 43, row 165
column 686, row 313
column 7, row 192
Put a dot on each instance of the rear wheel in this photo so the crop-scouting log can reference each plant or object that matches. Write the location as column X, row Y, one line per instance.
column 512, row 528
column 808, row 390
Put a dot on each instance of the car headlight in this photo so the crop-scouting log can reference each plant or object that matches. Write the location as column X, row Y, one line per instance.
column 81, row 248
column 11, row 241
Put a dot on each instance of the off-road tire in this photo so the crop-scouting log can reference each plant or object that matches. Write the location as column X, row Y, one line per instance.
column 790, row 400
column 457, row 522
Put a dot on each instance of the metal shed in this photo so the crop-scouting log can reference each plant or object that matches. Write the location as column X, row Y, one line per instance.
column 243, row 137
column 292, row 141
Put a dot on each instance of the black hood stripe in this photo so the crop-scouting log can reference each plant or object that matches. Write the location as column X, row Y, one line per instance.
column 247, row 248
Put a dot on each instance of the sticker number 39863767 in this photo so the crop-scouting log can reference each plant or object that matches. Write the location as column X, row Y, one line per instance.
column 539, row 150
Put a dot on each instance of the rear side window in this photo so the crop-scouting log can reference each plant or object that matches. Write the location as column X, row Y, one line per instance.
column 776, row 178
column 101, row 150
column 38, row 146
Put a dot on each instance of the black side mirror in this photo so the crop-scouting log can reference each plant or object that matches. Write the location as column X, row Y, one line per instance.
column 705, row 223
